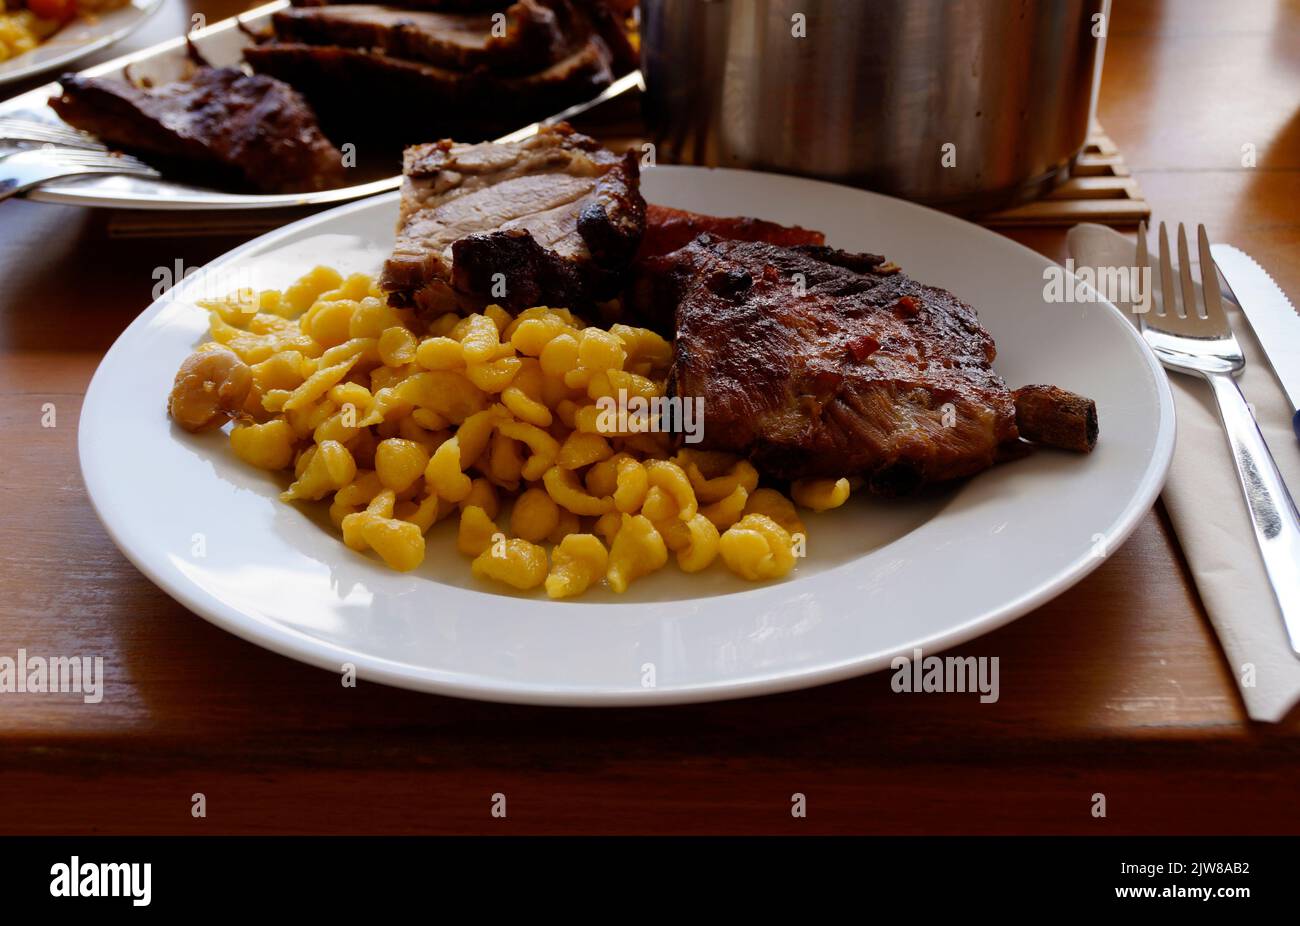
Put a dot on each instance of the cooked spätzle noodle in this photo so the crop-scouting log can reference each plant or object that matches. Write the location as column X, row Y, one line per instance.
column 399, row 424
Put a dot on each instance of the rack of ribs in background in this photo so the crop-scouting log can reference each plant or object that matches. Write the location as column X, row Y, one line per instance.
column 420, row 69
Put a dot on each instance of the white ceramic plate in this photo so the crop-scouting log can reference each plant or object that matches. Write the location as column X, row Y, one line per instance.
column 78, row 39
column 881, row 577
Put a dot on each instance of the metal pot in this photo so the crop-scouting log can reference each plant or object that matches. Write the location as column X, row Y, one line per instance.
column 963, row 104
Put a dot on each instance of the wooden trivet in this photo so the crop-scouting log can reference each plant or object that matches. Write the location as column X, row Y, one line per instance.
column 1100, row 189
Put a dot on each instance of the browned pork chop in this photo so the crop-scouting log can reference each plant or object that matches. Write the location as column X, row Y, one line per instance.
column 220, row 125
column 820, row 363
column 551, row 220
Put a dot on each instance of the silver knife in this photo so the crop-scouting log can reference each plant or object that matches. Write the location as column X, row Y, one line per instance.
column 1271, row 314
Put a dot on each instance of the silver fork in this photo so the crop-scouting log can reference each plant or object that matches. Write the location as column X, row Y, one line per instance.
column 1203, row 343
column 29, row 130
column 26, row 169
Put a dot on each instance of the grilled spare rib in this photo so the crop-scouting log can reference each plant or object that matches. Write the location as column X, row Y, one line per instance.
column 820, row 363
column 551, row 220
column 532, row 36
column 219, row 126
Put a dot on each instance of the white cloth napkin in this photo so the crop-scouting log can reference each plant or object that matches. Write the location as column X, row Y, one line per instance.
column 1206, row 506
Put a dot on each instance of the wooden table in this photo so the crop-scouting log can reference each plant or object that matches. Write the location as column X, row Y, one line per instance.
column 1118, row 686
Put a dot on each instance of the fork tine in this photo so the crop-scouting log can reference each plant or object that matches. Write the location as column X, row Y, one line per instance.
column 20, row 123
column 20, row 131
column 71, row 139
column 36, row 128
column 86, row 160
column 62, row 157
column 1144, row 279
column 16, row 125
column 77, row 154
column 1210, row 281
column 40, row 131
column 1190, row 306
column 1168, row 298
column 93, row 158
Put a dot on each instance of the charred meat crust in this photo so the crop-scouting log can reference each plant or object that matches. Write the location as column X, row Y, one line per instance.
column 822, row 363
column 220, row 125
column 1054, row 417
column 529, row 270
column 613, row 219
column 555, row 218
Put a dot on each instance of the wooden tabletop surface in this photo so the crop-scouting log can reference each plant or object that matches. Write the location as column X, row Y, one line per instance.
column 1118, row 686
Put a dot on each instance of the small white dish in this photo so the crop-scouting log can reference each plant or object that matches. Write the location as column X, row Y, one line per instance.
column 881, row 577
column 77, row 39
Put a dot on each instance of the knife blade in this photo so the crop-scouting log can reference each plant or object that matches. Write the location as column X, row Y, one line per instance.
column 1271, row 314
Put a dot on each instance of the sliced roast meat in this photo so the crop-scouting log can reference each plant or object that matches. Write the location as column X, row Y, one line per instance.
column 439, row 6
column 530, row 34
column 220, row 126
column 576, row 18
column 552, row 220
column 366, row 95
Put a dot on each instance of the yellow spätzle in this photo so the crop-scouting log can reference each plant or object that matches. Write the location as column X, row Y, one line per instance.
column 400, row 462
column 395, row 423
column 727, row 511
column 701, row 547
column 266, row 446
column 757, row 548
column 329, row 469
column 777, row 507
column 443, row 474
column 476, row 531
column 534, row 516
column 577, row 561
column 568, row 492
column 515, row 562
column 638, row 550
column 820, row 494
